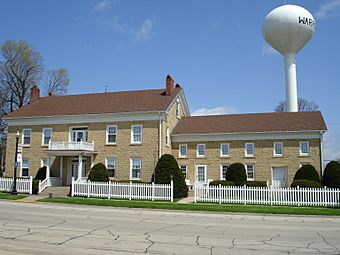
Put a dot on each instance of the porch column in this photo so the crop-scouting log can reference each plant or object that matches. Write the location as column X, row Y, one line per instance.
column 48, row 167
column 61, row 168
column 80, row 166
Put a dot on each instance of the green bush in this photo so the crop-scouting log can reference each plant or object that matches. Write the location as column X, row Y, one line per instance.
column 35, row 186
column 305, row 184
column 331, row 175
column 41, row 173
column 222, row 182
column 167, row 166
column 255, row 183
column 99, row 173
column 236, row 173
column 307, row 172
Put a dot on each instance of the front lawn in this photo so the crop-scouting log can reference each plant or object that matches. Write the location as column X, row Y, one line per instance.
column 197, row 207
column 11, row 197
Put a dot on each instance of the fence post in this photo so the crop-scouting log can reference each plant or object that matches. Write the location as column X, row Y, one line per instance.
column 245, row 194
column 153, row 191
column 195, row 195
column 172, row 190
column 220, row 193
column 271, row 195
column 31, row 184
column 298, row 195
column 72, row 187
column 88, row 188
column 325, row 196
column 130, row 190
column 109, row 190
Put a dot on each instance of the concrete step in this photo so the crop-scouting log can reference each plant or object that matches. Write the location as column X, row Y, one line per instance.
column 56, row 191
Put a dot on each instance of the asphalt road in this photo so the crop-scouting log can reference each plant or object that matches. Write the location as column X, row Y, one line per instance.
column 66, row 229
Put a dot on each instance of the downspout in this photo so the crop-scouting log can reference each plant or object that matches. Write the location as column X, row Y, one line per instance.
column 321, row 156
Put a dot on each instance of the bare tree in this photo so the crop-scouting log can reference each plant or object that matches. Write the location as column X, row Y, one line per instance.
column 303, row 106
column 57, row 81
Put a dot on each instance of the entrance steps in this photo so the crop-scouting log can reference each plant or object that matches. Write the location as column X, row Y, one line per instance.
column 56, row 191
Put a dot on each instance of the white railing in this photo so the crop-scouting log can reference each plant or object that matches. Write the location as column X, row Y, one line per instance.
column 268, row 195
column 43, row 184
column 24, row 185
column 71, row 146
column 123, row 190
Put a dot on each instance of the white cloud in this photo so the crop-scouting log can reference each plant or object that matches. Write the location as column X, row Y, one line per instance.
column 331, row 146
column 144, row 31
column 118, row 26
column 268, row 50
column 328, row 9
column 214, row 111
column 102, row 5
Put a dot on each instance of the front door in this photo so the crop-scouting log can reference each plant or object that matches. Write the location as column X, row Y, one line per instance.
column 73, row 171
column 279, row 177
column 201, row 174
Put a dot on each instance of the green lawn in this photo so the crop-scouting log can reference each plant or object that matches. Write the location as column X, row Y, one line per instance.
column 198, row 207
column 11, row 197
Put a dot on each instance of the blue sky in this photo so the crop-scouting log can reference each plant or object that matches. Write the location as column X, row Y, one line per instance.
column 214, row 49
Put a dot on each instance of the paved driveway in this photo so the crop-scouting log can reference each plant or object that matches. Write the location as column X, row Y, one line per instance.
column 65, row 229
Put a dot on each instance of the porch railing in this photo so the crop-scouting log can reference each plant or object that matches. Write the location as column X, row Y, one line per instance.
column 71, row 146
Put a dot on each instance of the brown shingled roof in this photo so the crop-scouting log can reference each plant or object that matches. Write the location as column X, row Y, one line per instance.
column 111, row 102
column 249, row 123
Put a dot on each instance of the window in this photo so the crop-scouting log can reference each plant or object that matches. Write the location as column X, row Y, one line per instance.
column 200, row 150
column 224, row 150
column 167, row 140
column 25, row 168
column 177, row 108
column 26, row 136
column 223, row 171
column 111, row 134
column 136, row 134
column 249, row 149
column 184, row 170
column 136, row 167
column 79, row 134
column 250, row 168
column 183, row 150
column 304, row 148
column 44, row 162
column 111, row 166
column 201, row 173
column 47, row 136
column 278, row 149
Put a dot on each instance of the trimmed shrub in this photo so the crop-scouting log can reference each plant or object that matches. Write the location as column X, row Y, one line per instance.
column 305, row 184
column 307, row 172
column 167, row 166
column 35, row 186
column 255, row 183
column 99, row 173
column 41, row 173
column 222, row 182
column 236, row 173
column 331, row 175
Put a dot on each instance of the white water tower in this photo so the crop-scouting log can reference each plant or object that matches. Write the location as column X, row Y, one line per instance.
column 287, row 29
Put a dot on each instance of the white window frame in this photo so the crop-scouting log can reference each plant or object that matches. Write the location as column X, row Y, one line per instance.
column 140, row 171
column 221, row 151
column 42, row 162
column 246, row 152
column 114, row 164
column 43, row 137
column 221, row 170
column 107, row 134
column 23, row 137
column 186, row 170
column 197, row 150
column 21, row 168
column 132, row 134
column 167, row 137
column 254, row 171
column 205, row 173
column 180, row 151
column 85, row 131
column 274, row 149
column 308, row 148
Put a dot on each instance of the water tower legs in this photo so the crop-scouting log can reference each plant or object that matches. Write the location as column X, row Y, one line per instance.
column 291, row 84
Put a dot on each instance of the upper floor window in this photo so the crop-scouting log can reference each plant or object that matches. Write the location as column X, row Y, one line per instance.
column 304, row 148
column 135, row 168
column 25, row 168
column 136, row 134
column 79, row 134
column 250, row 168
column 111, row 166
column 46, row 136
column 184, row 170
column 223, row 172
column 278, row 149
column 183, row 150
column 111, row 134
column 224, row 150
column 249, row 149
column 200, row 150
column 26, row 136
column 167, row 139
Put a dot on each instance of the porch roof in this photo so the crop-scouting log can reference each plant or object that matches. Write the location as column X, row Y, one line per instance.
column 70, row 152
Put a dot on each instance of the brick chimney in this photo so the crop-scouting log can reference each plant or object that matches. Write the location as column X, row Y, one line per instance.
column 169, row 85
column 35, row 94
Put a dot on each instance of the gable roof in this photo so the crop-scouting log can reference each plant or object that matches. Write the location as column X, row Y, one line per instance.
column 251, row 123
column 111, row 102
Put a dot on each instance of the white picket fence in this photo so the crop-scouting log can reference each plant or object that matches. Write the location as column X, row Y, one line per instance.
column 129, row 190
column 268, row 195
column 24, row 185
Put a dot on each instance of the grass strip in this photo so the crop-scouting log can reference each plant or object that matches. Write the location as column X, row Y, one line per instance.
column 198, row 207
column 11, row 197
